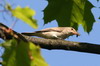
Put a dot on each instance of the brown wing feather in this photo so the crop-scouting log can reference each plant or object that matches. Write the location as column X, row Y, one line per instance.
column 56, row 29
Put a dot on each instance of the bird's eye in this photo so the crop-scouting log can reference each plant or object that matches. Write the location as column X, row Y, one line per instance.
column 72, row 29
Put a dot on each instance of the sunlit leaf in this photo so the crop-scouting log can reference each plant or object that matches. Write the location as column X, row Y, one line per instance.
column 25, row 14
column 19, row 53
column 70, row 13
column 35, row 54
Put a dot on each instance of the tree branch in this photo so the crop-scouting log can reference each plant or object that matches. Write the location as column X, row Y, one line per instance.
column 50, row 43
column 65, row 45
column 0, row 62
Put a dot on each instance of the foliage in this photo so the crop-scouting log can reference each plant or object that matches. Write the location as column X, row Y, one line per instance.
column 65, row 12
column 70, row 13
column 19, row 53
column 25, row 14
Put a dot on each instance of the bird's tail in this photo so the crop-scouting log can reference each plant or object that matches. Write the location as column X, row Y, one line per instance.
column 29, row 34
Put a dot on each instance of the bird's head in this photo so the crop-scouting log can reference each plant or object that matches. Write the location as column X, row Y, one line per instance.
column 72, row 31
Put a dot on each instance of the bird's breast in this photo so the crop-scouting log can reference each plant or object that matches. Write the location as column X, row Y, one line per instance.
column 54, row 35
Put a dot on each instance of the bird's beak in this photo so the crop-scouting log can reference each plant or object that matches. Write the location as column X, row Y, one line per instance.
column 77, row 34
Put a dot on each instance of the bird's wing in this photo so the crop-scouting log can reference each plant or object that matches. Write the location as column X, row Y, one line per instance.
column 47, row 30
column 55, row 29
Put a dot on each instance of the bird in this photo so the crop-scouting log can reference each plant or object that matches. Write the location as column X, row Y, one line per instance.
column 54, row 33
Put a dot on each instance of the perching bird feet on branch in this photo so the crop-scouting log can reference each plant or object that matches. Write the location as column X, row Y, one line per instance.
column 51, row 44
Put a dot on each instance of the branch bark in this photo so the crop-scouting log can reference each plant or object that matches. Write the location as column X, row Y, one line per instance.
column 0, row 62
column 65, row 45
column 50, row 43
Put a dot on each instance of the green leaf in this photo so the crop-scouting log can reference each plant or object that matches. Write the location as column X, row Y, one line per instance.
column 37, row 59
column 70, row 13
column 19, row 53
column 25, row 14
column 88, row 17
